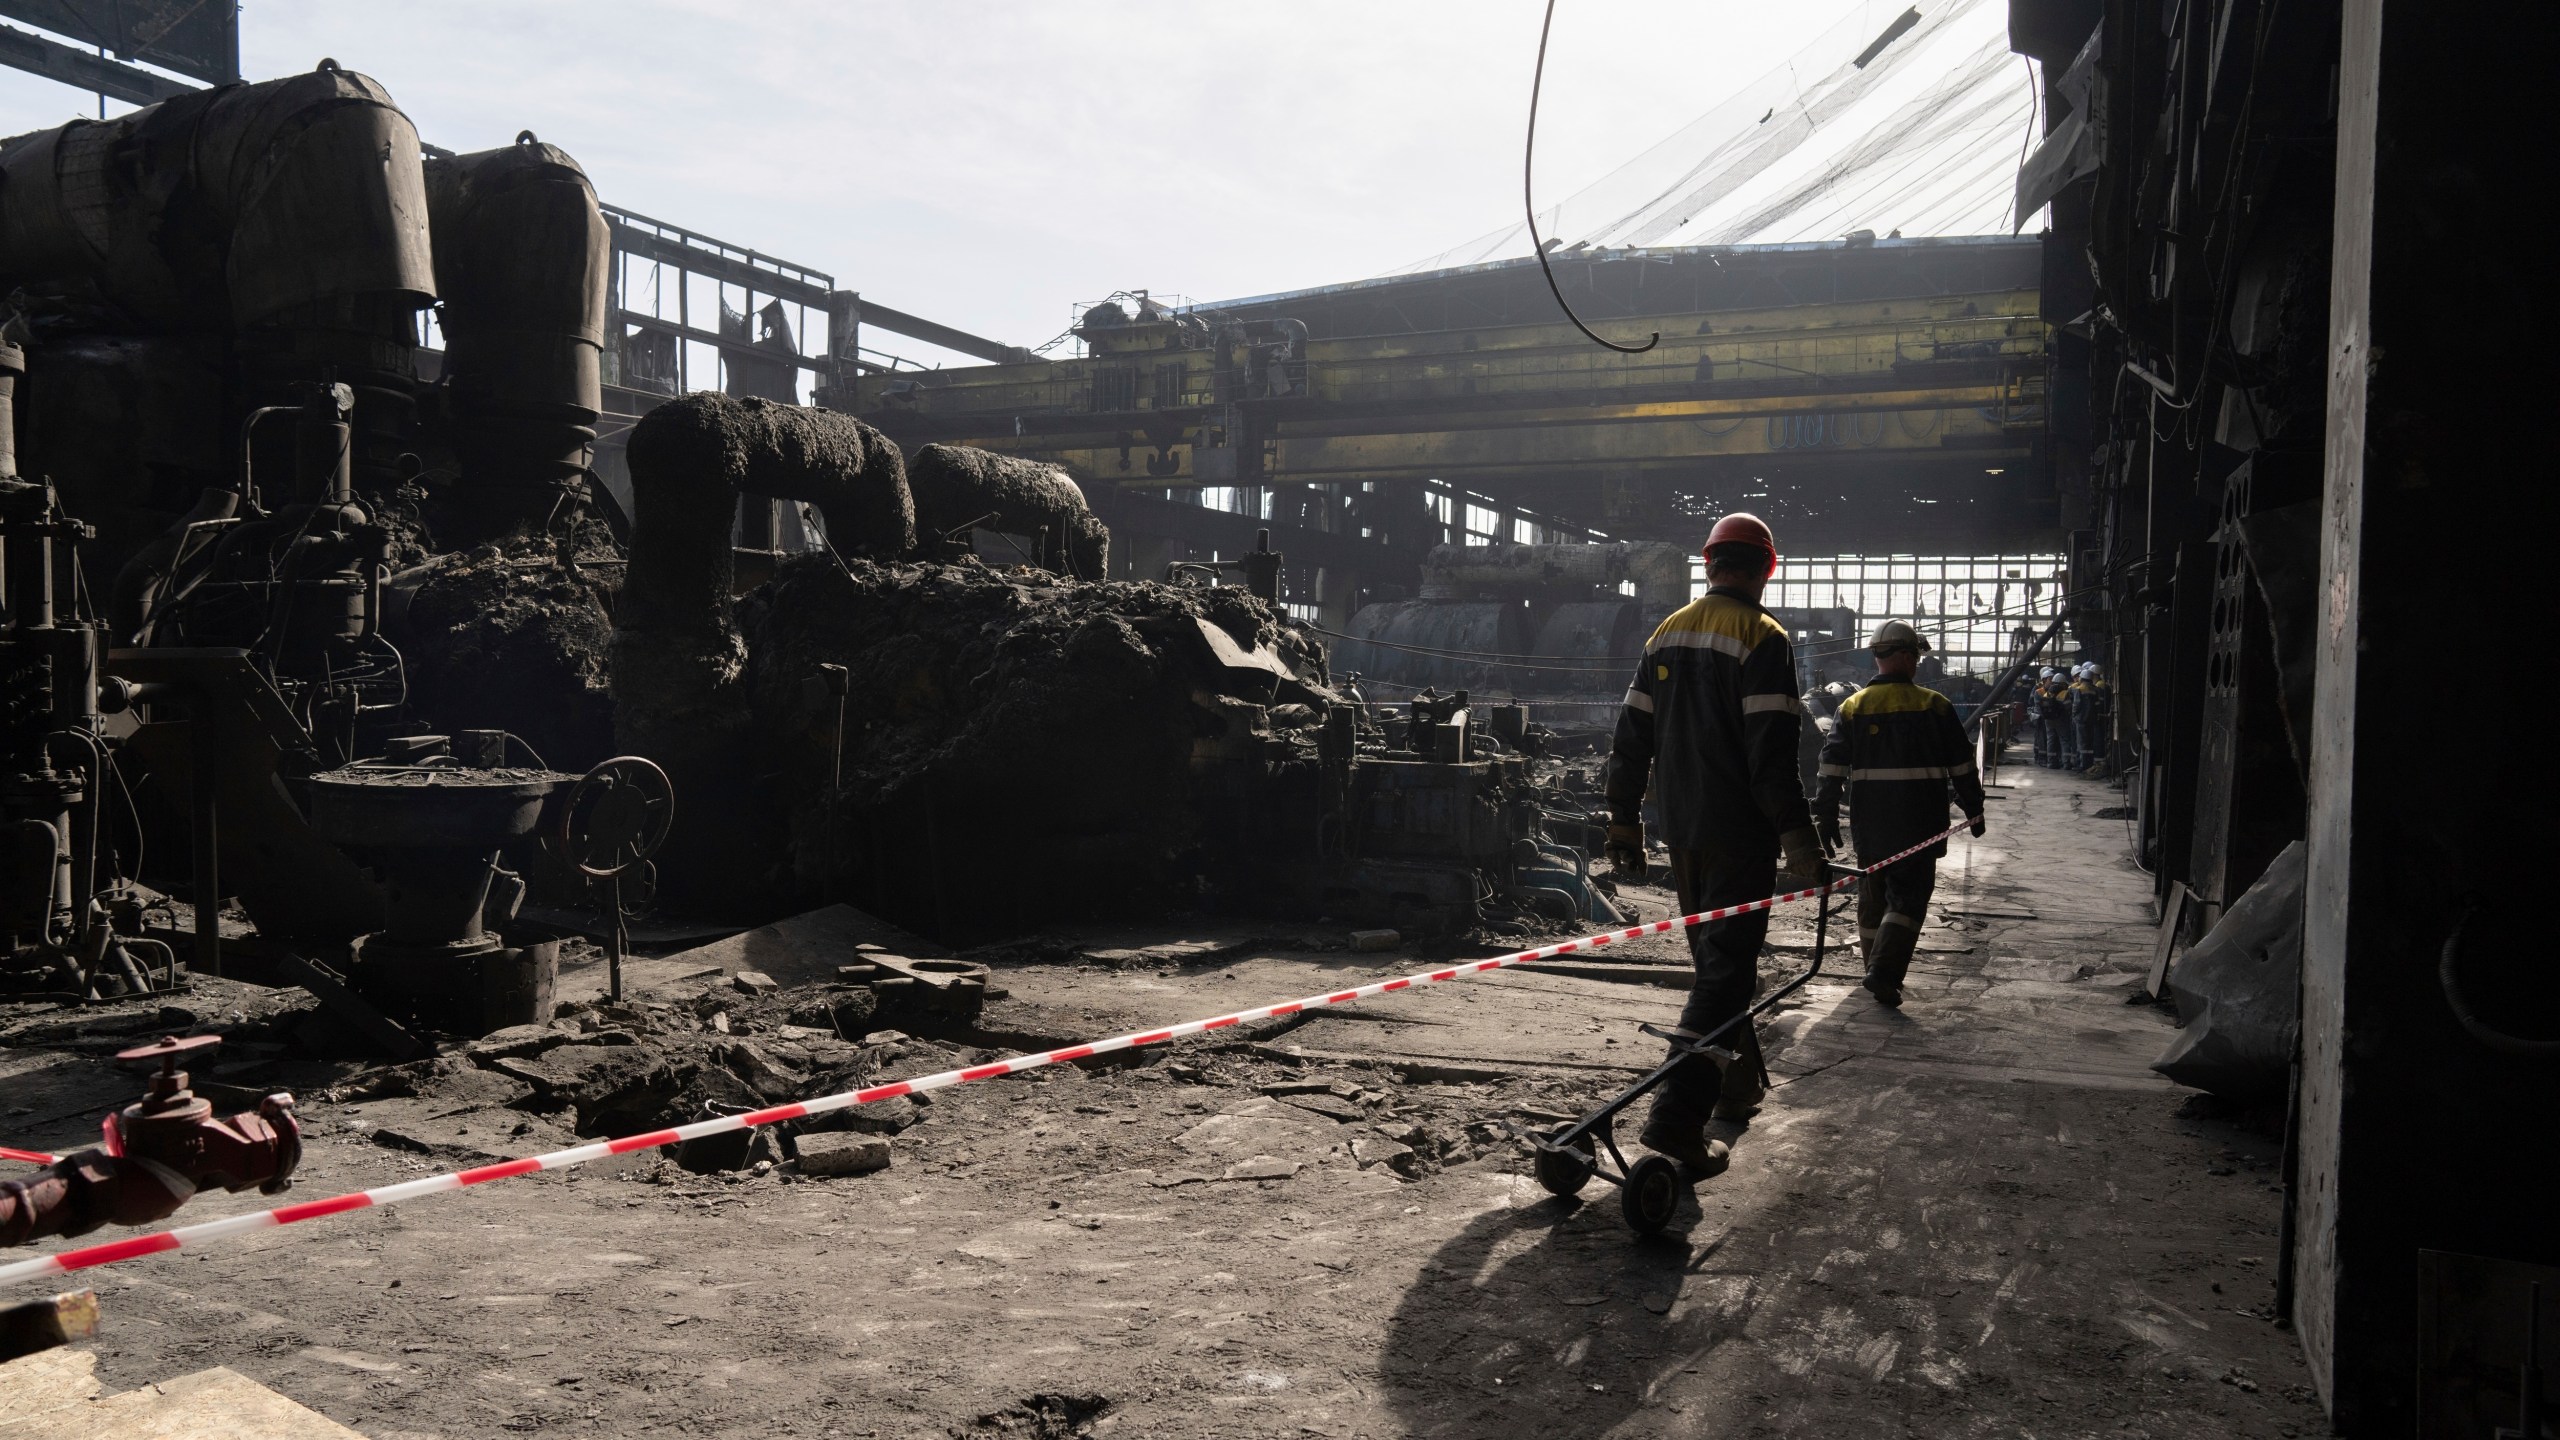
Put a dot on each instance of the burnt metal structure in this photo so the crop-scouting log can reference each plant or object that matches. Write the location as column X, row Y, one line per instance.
column 1850, row 389
column 521, row 268
column 197, row 261
column 1878, row 392
column 224, row 291
column 53, row 925
column 2292, row 320
column 435, row 827
column 189, row 37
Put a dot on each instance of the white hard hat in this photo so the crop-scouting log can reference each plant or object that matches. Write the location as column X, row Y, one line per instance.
column 1898, row 635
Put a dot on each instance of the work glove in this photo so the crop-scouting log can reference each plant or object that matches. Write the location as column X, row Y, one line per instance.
column 1803, row 867
column 1624, row 850
column 1977, row 827
column 1830, row 833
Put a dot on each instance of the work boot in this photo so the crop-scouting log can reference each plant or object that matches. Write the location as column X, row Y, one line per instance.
column 1739, row 1097
column 1896, row 939
column 1672, row 1128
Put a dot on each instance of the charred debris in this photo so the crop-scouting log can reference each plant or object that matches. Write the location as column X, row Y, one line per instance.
column 328, row 666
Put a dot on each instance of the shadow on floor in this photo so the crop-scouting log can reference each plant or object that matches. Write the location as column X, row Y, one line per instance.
column 1553, row 1320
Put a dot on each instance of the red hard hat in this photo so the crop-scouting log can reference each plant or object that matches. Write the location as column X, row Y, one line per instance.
column 1743, row 528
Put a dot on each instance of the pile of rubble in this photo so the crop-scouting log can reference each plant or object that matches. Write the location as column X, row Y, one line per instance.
column 1016, row 748
column 513, row 637
column 614, row 1069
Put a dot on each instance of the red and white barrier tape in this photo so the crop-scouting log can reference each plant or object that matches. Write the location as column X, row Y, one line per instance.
column 32, row 1157
column 210, row 1230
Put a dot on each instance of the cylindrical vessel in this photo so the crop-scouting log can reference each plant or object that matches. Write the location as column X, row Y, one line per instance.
column 1415, row 643
column 521, row 259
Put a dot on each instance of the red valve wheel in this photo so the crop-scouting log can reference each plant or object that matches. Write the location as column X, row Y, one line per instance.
column 167, row 1047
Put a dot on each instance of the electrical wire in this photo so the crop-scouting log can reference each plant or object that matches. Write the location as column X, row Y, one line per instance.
column 1529, row 203
column 2026, row 142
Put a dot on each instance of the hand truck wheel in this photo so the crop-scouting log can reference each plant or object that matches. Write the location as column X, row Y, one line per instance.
column 1565, row 1172
column 1652, row 1194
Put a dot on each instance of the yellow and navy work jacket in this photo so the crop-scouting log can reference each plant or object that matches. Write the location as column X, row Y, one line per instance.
column 1712, row 718
column 1898, row 746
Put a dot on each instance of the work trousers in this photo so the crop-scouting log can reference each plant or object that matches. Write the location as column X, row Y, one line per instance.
column 1892, row 904
column 2048, row 743
column 1727, row 956
column 2084, row 739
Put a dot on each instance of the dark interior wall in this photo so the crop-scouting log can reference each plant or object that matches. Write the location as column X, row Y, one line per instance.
column 2417, row 1133
column 2313, row 355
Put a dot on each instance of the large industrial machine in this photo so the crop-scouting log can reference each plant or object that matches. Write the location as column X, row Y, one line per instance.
column 216, row 449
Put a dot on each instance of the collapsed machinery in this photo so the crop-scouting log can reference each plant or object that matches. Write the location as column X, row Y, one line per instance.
column 231, row 477
column 238, row 453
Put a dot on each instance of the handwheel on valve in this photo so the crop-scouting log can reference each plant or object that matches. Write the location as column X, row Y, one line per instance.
column 615, row 818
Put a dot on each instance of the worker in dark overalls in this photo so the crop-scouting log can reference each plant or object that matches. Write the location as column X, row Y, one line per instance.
column 1897, row 750
column 1819, row 704
column 2053, row 721
column 1712, row 720
column 2077, row 703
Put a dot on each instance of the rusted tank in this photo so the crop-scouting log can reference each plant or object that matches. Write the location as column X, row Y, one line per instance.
column 1609, row 634
column 284, row 222
column 1658, row 573
column 1454, row 645
column 521, row 254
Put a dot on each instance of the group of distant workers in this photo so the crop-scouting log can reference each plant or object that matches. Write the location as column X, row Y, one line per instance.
column 1712, row 722
column 2070, row 710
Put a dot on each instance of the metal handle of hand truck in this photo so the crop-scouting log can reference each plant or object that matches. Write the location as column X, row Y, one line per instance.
column 1694, row 1044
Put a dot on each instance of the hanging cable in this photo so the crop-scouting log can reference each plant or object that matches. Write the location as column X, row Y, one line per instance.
column 1529, row 203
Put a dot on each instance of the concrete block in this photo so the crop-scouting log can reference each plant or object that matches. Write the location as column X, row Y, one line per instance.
column 1261, row 1167
column 754, row 982
column 517, row 1041
column 1376, row 1150
column 1375, row 939
column 839, row 1152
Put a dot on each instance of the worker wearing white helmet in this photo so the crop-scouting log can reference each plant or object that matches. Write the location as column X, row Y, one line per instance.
column 1896, row 752
column 2080, row 706
column 2090, row 704
column 2045, row 704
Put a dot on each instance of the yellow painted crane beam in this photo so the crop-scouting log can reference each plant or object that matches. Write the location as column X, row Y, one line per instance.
column 1176, row 399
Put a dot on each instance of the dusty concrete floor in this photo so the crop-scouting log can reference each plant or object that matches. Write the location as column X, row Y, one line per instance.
column 1981, row 1216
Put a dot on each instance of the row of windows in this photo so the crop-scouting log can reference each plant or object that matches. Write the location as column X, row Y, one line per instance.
column 1972, row 607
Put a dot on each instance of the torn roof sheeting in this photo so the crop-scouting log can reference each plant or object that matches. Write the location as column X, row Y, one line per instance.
column 1910, row 125
column 2077, row 143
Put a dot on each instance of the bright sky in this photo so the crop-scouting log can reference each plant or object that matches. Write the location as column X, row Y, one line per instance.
column 990, row 164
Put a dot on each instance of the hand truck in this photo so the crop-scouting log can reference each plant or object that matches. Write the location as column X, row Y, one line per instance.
column 1650, row 1189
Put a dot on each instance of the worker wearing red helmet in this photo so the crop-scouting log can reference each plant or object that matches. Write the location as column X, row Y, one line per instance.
column 1712, row 721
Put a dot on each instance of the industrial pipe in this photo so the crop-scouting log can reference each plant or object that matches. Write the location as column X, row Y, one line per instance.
column 678, row 662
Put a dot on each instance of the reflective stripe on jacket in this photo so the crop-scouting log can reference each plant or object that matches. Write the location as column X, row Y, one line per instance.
column 1712, row 717
column 1898, row 746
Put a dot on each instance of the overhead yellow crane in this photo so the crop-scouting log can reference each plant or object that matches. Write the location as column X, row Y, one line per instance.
column 1173, row 398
